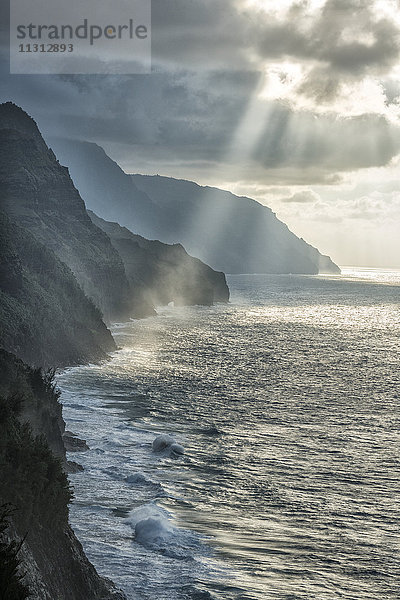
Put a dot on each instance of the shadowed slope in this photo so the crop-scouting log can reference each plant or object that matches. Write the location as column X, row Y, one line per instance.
column 37, row 193
column 164, row 273
column 45, row 318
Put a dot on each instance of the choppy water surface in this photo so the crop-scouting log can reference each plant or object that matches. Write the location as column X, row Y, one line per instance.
column 287, row 403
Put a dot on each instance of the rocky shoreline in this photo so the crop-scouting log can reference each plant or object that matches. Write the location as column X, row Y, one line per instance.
column 33, row 469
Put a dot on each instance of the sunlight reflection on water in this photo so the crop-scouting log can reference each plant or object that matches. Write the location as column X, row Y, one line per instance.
column 287, row 402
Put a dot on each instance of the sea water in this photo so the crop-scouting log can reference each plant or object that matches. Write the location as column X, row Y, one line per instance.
column 286, row 403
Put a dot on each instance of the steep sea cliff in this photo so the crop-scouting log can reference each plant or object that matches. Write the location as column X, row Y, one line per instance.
column 165, row 272
column 33, row 483
column 37, row 193
column 60, row 276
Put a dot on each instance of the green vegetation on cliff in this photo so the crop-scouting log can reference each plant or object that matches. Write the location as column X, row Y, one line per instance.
column 31, row 476
column 11, row 576
column 32, row 480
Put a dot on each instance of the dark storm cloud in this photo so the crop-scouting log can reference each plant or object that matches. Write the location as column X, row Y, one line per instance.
column 337, row 143
column 181, row 112
column 379, row 49
column 194, row 118
column 206, row 34
column 343, row 41
column 208, row 59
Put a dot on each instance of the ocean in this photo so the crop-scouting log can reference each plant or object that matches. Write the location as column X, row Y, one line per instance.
column 286, row 402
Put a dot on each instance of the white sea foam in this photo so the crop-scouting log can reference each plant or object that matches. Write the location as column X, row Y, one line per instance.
column 155, row 530
column 152, row 527
column 145, row 511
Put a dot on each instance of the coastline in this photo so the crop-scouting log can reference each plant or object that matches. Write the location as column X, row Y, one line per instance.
column 157, row 385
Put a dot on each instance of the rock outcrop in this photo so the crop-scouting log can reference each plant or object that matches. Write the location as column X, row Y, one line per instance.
column 33, row 482
column 164, row 273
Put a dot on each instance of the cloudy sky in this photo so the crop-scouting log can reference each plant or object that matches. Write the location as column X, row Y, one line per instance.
column 296, row 104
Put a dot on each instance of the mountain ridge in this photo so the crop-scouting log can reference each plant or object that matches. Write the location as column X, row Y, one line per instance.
column 166, row 272
column 249, row 237
column 37, row 192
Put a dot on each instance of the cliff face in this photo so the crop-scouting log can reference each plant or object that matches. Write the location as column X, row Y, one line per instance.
column 164, row 273
column 236, row 233
column 105, row 188
column 58, row 271
column 45, row 318
column 37, row 193
column 232, row 234
column 32, row 480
